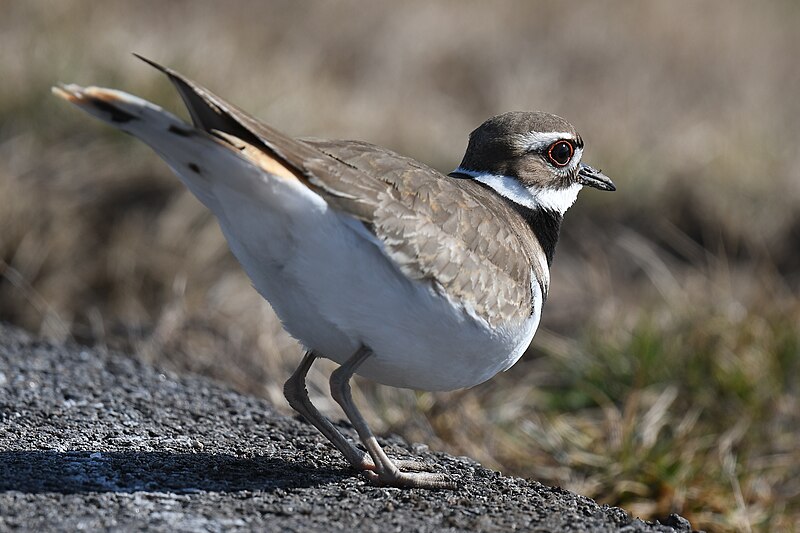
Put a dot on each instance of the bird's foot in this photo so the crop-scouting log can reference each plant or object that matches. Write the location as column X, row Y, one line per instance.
column 409, row 480
column 403, row 473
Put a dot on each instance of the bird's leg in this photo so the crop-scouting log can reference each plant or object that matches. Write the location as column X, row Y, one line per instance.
column 386, row 471
column 297, row 395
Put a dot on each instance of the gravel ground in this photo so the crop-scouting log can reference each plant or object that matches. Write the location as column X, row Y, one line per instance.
column 90, row 440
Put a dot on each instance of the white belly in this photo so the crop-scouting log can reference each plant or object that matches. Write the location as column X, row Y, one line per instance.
column 335, row 290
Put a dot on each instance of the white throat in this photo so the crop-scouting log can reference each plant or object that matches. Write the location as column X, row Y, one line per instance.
column 558, row 200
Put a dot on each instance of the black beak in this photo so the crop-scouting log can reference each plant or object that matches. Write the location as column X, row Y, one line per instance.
column 594, row 178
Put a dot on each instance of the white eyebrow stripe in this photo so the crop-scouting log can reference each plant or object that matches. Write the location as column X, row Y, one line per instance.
column 538, row 140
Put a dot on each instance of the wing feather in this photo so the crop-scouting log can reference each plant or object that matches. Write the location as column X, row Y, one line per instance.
column 434, row 227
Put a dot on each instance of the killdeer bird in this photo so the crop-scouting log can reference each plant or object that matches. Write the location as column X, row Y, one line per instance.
column 398, row 273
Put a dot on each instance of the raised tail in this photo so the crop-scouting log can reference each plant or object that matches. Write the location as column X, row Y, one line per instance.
column 217, row 121
column 185, row 148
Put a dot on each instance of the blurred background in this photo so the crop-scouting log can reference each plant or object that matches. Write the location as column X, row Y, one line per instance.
column 666, row 373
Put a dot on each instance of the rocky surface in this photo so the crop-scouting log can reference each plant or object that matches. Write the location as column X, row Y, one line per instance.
column 90, row 440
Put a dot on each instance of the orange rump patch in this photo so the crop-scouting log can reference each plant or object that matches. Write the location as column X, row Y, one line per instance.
column 259, row 158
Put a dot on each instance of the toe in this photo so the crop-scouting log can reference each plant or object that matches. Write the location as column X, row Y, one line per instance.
column 410, row 465
column 415, row 480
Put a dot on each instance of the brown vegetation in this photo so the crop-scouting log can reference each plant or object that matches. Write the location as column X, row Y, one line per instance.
column 665, row 374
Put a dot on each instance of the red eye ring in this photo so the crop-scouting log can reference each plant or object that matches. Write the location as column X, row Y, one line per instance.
column 560, row 153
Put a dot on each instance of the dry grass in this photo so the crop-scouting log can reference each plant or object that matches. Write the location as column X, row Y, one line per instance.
column 665, row 375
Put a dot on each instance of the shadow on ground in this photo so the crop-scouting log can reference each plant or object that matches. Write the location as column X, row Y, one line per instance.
column 74, row 472
column 91, row 440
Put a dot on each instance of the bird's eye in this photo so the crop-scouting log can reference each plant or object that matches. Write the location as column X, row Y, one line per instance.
column 560, row 152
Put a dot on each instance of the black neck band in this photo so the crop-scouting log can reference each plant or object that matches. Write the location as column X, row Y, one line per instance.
column 545, row 224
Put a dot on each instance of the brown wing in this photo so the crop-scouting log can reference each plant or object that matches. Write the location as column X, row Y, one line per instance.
column 434, row 227
column 452, row 231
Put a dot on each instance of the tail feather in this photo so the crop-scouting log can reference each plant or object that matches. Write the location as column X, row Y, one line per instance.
column 320, row 172
column 211, row 113
column 187, row 150
column 206, row 109
column 208, row 163
column 119, row 108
